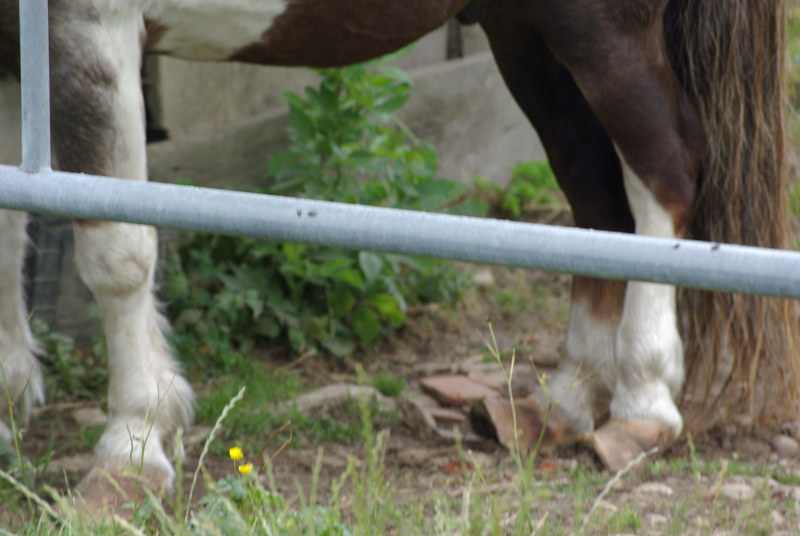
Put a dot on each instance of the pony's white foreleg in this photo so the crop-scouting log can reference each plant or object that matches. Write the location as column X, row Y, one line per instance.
column 99, row 128
column 147, row 398
column 649, row 368
column 649, row 349
column 20, row 370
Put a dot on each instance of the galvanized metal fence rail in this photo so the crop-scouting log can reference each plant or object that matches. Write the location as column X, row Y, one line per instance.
column 35, row 187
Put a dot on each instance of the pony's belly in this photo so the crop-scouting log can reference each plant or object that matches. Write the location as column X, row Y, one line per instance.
column 207, row 29
column 319, row 33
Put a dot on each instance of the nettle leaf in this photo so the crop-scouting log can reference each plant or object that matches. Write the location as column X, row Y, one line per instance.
column 437, row 192
column 341, row 301
column 338, row 346
column 388, row 306
column 283, row 164
column 325, row 99
column 316, row 327
column 366, row 324
column 297, row 339
column 371, row 264
column 254, row 302
column 268, row 326
column 374, row 193
column 391, row 105
column 351, row 276
column 477, row 208
column 294, row 252
column 328, row 268
column 293, row 268
column 302, row 122
column 398, row 75
column 188, row 317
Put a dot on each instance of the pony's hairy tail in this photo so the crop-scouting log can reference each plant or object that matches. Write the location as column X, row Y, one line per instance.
column 742, row 351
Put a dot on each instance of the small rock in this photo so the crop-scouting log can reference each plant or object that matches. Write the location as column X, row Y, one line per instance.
column 523, row 372
column 790, row 428
column 77, row 464
column 471, row 360
column 196, row 435
column 738, row 491
column 457, row 466
column 446, row 415
column 484, row 278
column 455, row 390
column 772, row 485
column 654, row 488
column 424, row 400
column 427, row 368
column 547, row 359
column 785, row 446
column 86, row 417
column 569, row 464
column 777, row 518
column 418, row 413
column 481, row 459
column 337, row 394
column 492, row 381
column 657, row 519
column 607, row 506
column 414, row 456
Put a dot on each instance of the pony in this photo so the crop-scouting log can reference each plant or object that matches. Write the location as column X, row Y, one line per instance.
column 659, row 117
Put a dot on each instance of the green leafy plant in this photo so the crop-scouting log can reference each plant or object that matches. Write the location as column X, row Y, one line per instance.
column 71, row 373
column 387, row 384
column 231, row 293
column 532, row 188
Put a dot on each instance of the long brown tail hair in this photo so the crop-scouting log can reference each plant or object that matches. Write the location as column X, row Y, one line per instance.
column 742, row 351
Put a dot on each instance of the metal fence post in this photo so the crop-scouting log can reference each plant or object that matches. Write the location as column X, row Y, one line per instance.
column 35, row 77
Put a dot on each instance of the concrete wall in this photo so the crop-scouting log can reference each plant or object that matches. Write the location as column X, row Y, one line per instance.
column 177, row 90
column 460, row 106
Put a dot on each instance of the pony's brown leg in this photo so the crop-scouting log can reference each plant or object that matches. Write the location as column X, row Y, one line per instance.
column 588, row 170
column 616, row 53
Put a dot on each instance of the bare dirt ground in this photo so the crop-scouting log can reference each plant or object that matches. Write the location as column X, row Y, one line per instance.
column 728, row 482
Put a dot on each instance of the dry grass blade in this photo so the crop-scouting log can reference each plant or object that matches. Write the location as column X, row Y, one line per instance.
column 272, row 436
column 612, row 482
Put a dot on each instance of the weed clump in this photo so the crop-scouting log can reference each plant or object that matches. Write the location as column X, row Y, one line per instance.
column 347, row 146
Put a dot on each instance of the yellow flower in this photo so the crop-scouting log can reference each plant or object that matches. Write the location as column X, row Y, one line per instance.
column 236, row 453
column 245, row 468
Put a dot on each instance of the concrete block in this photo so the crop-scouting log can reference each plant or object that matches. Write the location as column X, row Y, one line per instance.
column 184, row 97
column 465, row 111
column 461, row 107
column 473, row 41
